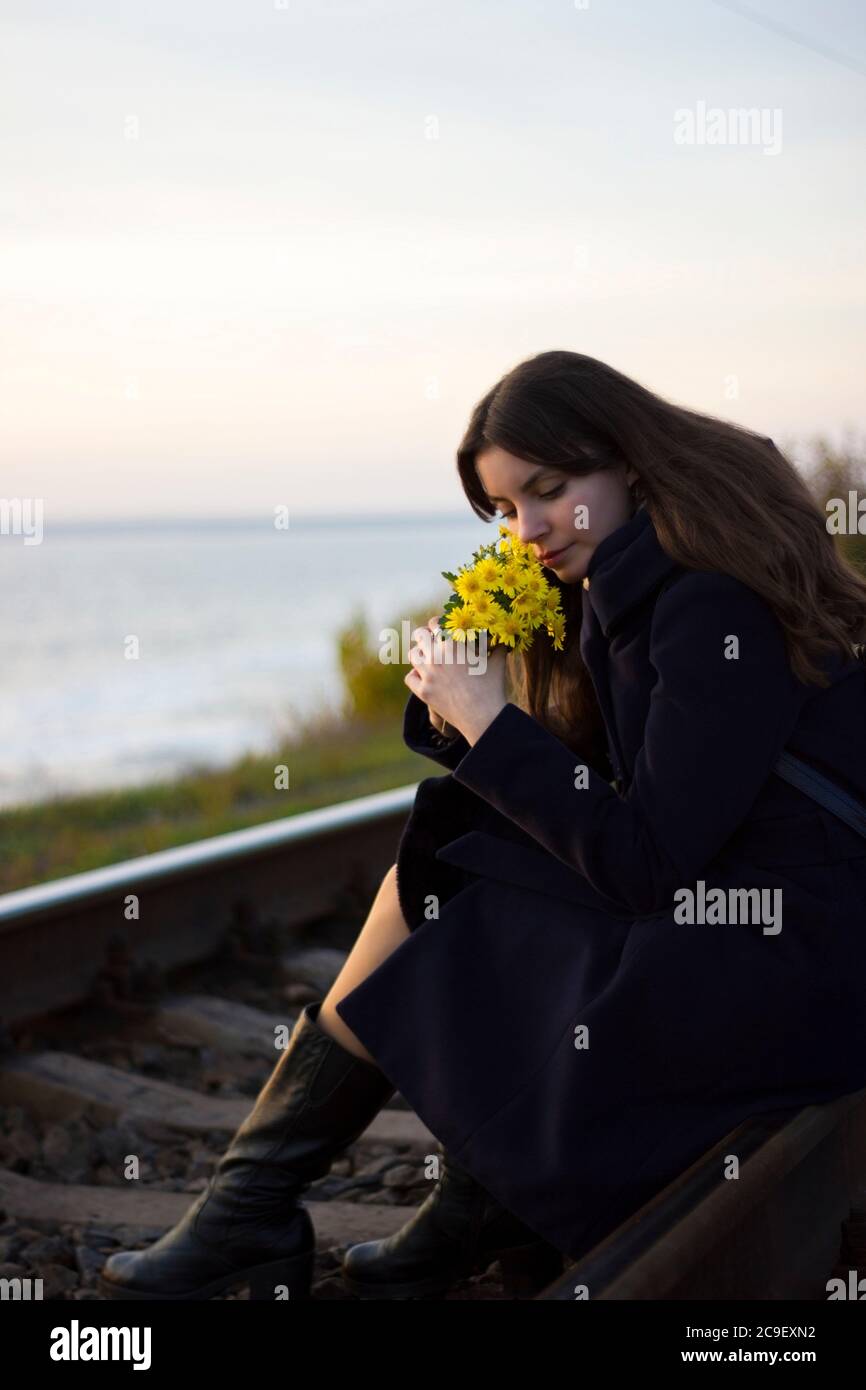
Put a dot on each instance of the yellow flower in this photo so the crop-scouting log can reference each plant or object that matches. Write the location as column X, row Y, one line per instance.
column 556, row 630
column 526, row 604
column 469, row 584
column 535, row 583
column 488, row 571
column 508, row 628
column 485, row 609
column 551, row 599
column 512, row 543
column 460, row 621
column 510, row 577
column 510, row 569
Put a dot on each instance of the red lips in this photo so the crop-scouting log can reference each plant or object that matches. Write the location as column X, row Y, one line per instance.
column 545, row 559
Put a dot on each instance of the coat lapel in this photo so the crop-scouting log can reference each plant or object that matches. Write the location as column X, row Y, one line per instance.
column 536, row 869
column 624, row 569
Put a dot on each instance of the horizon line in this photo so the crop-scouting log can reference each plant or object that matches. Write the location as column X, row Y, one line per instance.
column 255, row 519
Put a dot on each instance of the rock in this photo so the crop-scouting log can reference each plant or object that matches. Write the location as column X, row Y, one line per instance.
column 324, row 1189
column 99, row 1237
column 20, row 1145
column 67, row 1151
column 331, row 1287
column 300, row 994
column 25, row 1234
column 403, row 1175
column 56, row 1143
column 170, row 1163
column 317, row 967
column 56, row 1279
column 114, row 1142
column 88, row 1262
column 47, row 1249
column 148, row 1057
column 108, row 1176
column 14, row 1117
column 373, row 1167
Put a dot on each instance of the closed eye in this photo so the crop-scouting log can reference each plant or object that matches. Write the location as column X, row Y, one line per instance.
column 506, row 516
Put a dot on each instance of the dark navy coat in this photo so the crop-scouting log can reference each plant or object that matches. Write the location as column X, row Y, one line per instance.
column 567, row 1035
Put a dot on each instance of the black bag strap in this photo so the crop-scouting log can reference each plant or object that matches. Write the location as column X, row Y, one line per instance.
column 813, row 783
column 822, row 790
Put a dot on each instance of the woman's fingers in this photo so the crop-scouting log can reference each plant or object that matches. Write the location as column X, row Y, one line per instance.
column 421, row 638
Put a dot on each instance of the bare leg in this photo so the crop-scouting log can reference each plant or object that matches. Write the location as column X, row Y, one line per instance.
column 382, row 933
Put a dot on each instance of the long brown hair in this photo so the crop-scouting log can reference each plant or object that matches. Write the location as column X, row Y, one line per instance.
column 721, row 497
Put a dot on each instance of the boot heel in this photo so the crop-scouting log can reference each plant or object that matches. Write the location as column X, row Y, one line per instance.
column 271, row 1282
column 529, row 1269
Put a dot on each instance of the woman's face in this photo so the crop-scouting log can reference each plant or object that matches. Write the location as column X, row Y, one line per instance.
column 549, row 515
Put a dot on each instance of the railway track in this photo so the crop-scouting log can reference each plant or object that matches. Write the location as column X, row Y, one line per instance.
column 140, row 1007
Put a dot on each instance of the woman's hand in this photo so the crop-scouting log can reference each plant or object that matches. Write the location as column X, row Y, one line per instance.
column 466, row 697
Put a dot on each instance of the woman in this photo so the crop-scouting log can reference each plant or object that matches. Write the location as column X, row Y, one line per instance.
column 616, row 932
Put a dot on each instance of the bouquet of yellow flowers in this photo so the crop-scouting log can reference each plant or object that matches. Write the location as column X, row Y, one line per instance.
column 504, row 593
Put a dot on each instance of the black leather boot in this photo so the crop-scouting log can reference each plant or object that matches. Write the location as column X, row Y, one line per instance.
column 458, row 1230
column 248, row 1227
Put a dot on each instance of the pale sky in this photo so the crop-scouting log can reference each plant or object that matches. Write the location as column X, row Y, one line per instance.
column 256, row 254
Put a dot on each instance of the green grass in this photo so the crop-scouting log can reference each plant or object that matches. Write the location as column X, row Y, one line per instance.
column 332, row 760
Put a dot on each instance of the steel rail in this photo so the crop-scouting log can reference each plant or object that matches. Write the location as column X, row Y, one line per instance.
column 173, row 907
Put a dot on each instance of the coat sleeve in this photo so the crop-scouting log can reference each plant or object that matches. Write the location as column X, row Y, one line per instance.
column 714, row 728
column 420, row 736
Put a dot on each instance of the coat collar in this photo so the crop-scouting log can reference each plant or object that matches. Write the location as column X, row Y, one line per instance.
column 626, row 566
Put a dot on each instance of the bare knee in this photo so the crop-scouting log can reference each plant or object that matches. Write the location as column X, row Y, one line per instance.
column 386, row 906
column 384, row 930
column 385, row 926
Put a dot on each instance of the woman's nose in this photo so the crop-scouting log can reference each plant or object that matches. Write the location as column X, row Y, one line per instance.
column 530, row 531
